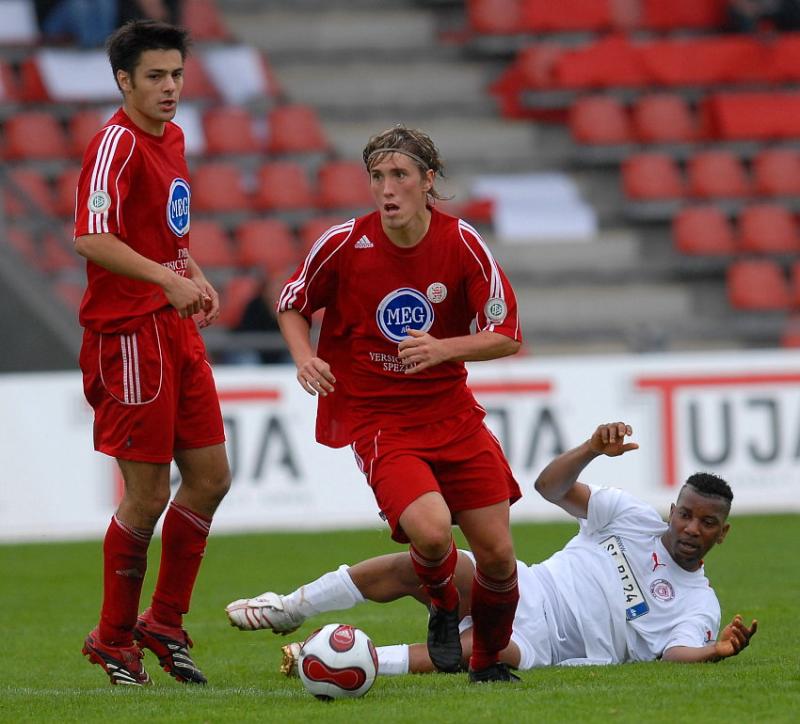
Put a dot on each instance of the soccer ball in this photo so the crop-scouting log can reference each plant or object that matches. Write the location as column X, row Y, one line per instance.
column 337, row 661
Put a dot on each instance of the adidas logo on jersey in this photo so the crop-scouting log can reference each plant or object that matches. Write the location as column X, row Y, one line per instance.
column 364, row 243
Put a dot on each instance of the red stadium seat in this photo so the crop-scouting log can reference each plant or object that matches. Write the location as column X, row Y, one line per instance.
column 757, row 285
column 35, row 135
column 776, row 172
column 82, row 126
column 314, row 228
column 209, row 244
column 683, row 14
column 234, row 297
column 8, row 85
column 197, row 84
column 717, row 174
column 663, row 118
column 295, row 129
column 267, row 244
column 652, row 176
column 31, row 87
column 495, row 17
column 768, row 229
column 283, row 186
column 703, row 230
column 66, row 186
column 229, row 130
column 344, row 185
column 566, row 16
column 204, row 20
column 27, row 193
column 599, row 120
column 217, row 187
column 607, row 63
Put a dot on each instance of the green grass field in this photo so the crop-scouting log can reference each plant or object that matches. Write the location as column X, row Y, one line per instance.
column 50, row 597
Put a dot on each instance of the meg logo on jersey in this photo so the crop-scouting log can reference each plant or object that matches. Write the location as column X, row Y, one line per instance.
column 178, row 203
column 401, row 310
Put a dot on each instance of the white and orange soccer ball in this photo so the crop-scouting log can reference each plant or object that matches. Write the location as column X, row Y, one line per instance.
column 337, row 661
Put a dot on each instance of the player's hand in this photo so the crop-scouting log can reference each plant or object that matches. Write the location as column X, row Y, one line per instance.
column 210, row 309
column 315, row 377
column 419, row 351
column 609, row 439
column 185, row 295
column 735, row 637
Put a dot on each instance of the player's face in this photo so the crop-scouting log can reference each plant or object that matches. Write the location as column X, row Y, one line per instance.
column 152, row 91
column 400, row 190
column 696, row 524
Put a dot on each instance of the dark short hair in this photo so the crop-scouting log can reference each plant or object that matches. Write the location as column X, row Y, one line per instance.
column 127, row 43
column 709, row 484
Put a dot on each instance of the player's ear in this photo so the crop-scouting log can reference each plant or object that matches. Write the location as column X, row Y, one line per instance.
column 723, row 533
column 124, row 80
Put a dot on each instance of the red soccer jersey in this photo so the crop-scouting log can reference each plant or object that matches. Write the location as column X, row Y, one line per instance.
column 136, row 186
column 374, row 291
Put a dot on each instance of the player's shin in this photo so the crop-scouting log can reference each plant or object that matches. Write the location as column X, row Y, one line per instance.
column 494, row 604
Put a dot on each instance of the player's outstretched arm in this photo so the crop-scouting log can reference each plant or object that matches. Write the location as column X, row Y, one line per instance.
column 558, row 482
column 313, row 374
column 733, row 639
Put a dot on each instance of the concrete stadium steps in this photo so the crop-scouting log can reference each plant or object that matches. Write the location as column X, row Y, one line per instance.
column 467, row 144
column 306, row 32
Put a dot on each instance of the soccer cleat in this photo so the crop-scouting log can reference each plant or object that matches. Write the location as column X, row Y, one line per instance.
column 267, row 611
column 495, row 672
column 444, row 641
column 171, row 644
column 291, row 654
column 123, row 664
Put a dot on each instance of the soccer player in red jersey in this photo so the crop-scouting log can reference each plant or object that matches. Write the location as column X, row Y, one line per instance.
column 144, row 364
column 410, row 294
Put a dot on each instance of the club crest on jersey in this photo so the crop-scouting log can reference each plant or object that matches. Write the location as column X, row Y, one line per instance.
column 437, row 292
column 99, row 202
column 662, row 590
column 178, row 203
column 401, row 310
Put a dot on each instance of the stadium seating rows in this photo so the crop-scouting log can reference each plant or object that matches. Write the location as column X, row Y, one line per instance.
column 509, row 17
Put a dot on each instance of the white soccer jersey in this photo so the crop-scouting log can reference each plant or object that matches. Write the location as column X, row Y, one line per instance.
column 615, row 593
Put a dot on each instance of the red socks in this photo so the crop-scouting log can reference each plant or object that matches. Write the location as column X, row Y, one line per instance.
column 494, row 604
column 183, row 543
column 124, row 566
column 437, row 577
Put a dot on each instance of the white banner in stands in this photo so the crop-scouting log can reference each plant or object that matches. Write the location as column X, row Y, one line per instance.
column 734, row 414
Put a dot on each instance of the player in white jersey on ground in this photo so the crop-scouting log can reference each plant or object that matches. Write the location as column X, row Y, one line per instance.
column 627, row 587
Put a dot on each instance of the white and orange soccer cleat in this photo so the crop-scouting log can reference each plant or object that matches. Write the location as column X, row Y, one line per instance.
column 267, row 611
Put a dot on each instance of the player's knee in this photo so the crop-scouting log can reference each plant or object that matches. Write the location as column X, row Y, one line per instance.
column 432, row 541
column 497, row 561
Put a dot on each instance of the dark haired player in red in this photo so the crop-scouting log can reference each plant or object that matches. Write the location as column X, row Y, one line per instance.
column 410, row 294
column 144, row 365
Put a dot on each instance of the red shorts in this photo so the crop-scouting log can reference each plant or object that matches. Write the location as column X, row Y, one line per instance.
column 152, row 389
column 459, row 458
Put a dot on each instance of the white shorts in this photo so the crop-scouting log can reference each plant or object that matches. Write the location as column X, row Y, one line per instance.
column 534, row 625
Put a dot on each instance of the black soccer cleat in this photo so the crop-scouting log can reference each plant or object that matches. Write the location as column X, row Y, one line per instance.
column 444, row 640
column 495, row 672
column 171, row 644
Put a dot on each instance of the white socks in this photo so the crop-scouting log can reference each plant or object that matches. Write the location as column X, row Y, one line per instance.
column 392, row 660
column 335, row 591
